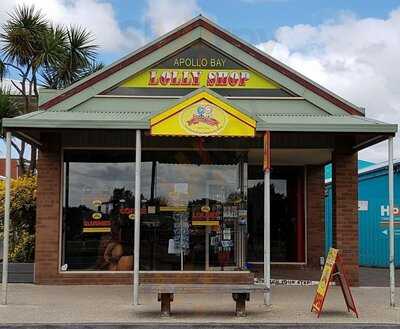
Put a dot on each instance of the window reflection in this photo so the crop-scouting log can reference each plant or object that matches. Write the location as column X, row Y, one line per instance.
column 201, row 191
column 98, row 207
column 193, row 210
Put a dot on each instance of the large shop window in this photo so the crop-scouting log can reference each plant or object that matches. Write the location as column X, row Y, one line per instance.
column 193, row 210
column 98, row 226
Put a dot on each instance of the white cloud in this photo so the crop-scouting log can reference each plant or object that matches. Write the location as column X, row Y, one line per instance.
column 355, row 58
column 97, row 16
column 165, row 15
column 7, row 85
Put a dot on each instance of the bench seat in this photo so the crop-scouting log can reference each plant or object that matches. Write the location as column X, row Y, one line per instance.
column 165, row 292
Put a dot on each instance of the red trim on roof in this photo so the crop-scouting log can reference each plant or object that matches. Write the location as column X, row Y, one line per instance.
column 169, row 38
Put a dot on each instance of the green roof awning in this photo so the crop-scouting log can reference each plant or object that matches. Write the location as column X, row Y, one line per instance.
column 322, row 123
column 140, row 120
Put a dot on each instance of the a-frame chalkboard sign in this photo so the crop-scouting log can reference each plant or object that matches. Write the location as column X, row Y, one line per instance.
column 333, row 270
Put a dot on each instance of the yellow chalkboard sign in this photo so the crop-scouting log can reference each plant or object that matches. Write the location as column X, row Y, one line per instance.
column 333, row 268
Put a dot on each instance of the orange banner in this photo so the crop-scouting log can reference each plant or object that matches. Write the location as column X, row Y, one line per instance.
column 267, row 150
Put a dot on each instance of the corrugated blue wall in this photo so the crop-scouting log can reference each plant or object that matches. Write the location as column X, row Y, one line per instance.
column 373, row 237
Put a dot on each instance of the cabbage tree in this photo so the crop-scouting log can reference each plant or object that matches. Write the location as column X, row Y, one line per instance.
column 42, row 54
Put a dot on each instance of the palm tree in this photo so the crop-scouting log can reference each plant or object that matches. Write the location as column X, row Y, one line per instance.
column 43, row 55
column 77, row 60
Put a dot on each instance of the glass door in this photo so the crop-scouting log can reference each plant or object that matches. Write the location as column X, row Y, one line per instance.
column 202, row 199
column 287, row 215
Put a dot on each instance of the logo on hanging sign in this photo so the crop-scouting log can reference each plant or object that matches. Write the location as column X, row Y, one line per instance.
column 203, row 118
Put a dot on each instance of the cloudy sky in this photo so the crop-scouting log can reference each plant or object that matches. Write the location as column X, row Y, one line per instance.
column 349, row 46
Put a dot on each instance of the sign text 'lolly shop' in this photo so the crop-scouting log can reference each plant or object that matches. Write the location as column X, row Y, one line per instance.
column 197, row 78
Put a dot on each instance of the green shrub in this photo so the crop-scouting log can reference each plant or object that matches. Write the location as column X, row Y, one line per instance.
column 22, row 218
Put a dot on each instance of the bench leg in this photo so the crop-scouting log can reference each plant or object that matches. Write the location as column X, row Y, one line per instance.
column 165, row 299
column 240, row 300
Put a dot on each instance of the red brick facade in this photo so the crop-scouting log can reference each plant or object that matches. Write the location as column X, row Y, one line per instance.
column 315, row 215
column 345, row 211
column 48, row 213
column 345, row 219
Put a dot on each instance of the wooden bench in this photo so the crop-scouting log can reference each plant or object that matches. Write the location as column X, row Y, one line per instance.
column 165, row 292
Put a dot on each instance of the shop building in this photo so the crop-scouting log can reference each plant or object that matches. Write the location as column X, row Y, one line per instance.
column 179, row 138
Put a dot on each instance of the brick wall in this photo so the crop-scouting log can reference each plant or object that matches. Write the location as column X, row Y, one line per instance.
column 315, row 215
column 345, row 211
column 48, row 211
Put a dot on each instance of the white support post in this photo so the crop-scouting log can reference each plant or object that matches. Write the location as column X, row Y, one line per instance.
column 6, row 234
column 138, row 156
column 267, row 235
column 391, row 223
column 267, row 218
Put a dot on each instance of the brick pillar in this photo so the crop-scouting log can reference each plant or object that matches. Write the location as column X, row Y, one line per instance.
column 315, row 215
column 48, row 210
column 345, row 211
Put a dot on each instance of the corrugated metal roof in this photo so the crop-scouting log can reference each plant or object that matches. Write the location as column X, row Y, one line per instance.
column 140, row 120
column 88, row 120
column 322, row 123
column 156, row 104
column 102, row 116
column 372, row 168
column 378, row 166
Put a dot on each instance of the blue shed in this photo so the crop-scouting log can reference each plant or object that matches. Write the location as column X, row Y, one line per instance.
column 373, row 215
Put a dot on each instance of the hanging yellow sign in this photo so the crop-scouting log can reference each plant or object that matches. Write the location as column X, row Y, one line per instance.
column 203, row 115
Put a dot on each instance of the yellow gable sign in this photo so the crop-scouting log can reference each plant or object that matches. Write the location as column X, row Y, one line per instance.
column 189, row 78
column 202, row 115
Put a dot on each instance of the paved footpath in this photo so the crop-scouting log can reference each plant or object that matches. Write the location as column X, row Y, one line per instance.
column 200, row 326
column 84, row 305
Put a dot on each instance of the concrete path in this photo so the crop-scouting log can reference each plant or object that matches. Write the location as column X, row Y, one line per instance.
column 112, row 304
column 200, row 326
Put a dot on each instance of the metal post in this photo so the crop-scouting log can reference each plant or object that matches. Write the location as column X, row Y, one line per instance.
column 6, row 219
column 391, row 223
column 267, row 217
column 267, row 252
column 138, row 153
